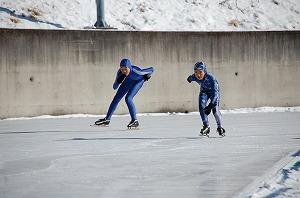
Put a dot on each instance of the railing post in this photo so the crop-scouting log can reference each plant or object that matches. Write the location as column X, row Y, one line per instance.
column 100, row 14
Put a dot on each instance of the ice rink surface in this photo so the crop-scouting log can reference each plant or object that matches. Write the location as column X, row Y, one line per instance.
column 165, row 158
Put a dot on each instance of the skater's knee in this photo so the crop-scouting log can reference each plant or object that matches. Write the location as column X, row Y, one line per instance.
column 128, row 99
column 116, row 99
column 202, row 106
column 202, row 103
column 214, row 110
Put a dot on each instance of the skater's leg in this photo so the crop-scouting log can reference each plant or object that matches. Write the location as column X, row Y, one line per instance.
column 123, row 89
column 202, row 104
column 129, row 98
column 216, row 111
column 217, row 115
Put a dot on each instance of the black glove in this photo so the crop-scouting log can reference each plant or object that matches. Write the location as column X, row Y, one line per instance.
column 208, row 108
column 189, row 79
column 147, row 77
column 121, row 78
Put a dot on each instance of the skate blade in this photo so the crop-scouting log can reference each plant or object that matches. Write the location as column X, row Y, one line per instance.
column 95, row 125
column 133, row 128
column 204, row 135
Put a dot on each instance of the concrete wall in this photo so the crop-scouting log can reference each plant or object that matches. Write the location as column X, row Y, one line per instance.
column 62, row 72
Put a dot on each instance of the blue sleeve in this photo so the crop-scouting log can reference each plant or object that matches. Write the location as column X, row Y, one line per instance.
column 142, row 72
column 148, row 70
column 116, row 84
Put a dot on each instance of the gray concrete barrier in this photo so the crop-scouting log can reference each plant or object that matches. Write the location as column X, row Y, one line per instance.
column 66, row 71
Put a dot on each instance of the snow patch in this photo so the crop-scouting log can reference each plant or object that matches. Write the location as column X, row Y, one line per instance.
column 154, row 15
column 285, row 183
column 263, row 110
column 233, row 111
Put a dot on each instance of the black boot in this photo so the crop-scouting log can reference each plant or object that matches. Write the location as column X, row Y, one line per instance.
column 133, row 124
column 102, row 122
column 205, row 130
column 221, row 131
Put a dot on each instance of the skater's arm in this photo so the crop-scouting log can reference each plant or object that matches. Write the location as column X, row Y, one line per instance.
column 119, row 79
column 142, row 72
column 191, row 78
column 148, row 70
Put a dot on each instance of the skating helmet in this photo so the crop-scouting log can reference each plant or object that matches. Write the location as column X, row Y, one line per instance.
column 125, row 63
column 200, row 65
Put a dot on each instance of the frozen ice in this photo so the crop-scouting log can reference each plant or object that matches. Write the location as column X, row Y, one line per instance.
column 65, row 157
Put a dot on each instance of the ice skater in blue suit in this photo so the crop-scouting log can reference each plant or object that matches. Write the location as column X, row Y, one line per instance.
column 129, row 81
column 209, row 90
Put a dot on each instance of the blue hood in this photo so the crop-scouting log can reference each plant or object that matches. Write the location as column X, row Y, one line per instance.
column 125, row 63
column 200, row 66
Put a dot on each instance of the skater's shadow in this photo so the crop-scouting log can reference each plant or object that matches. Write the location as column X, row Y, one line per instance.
column 105, row 130
column 46, row 131
column 29, row 132
column 131, row 138
column 28, row 18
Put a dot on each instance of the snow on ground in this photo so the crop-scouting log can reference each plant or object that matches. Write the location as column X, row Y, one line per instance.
column 232, row 111
column 166, row 15
column 285, row 182
column 47, row 14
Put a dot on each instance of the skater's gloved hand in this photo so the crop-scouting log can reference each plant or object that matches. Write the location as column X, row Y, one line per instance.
column 147, row 77
column 121, row 78
column 208, row 108
column 189, row 79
